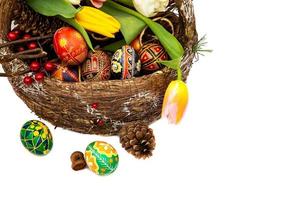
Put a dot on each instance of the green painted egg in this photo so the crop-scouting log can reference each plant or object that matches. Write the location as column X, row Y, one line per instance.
column 36, row 137
column 101, row 158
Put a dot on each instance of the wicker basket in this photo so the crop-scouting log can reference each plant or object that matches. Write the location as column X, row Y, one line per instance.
column 67, row 105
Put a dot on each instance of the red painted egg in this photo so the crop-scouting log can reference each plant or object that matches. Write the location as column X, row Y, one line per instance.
column 70, row 46
column 149, row 55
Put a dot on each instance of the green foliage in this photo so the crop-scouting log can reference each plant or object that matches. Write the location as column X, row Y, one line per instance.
column 131, row 26
column 53, row 7
column 126, row 2
column 173, row 64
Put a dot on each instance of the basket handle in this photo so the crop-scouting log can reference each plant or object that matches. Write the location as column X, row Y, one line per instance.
column 186, row 11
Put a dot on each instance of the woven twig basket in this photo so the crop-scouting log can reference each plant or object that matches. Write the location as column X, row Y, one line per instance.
column 120, row 102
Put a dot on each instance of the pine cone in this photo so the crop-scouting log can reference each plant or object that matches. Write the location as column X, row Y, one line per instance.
column 138, row 140
column 29, row 21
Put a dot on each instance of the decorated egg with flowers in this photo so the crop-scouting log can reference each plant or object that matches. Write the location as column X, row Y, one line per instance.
column 97, row 67
column 36, row 137
column 125, row 63
column 101, row 158
column 70, row 46
column 149, row 55
column 65, row 73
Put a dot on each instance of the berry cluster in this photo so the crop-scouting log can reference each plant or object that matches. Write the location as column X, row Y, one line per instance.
column 17, row 35
column 39, row 70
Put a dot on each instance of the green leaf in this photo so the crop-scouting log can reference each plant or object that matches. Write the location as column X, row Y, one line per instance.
column 126, row 2
column 79, row 28
column 173, row 64
column 169, row 41
column 53, row 7
column 131, row 26
column 114, row 46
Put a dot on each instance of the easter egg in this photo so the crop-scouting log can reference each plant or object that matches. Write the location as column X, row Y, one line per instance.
column 96, row 67
column 70, row 46
column 149, row 55
column 136, row 44
column 36, row 137
column 101, row 158
column 125, row 63
column 65, row 73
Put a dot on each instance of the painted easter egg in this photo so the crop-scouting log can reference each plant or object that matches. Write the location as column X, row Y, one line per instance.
column 36, row 137
column 101, row 158
column 149, row 55
column 96, row 67
column 65, row 73
column 70, row 46
column 125, row 63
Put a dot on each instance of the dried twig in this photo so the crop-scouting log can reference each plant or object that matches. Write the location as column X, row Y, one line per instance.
column 28, row 54
column 25, row 40
column 14, row 74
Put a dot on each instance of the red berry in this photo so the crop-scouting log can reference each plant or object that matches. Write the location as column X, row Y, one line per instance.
column 49, row 66
column 17, row 32
column 28, row 80
column 35, row 66
column 94, row 105
column 39, row 76
column 11, row 36
column 20, row 49
column 32, row 45
column 26, row 36
column 101, row 122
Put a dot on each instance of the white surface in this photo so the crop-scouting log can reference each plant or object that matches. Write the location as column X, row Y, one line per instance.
column 239, row 139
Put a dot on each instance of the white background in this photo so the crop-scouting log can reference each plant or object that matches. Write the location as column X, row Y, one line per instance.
column 239, row 138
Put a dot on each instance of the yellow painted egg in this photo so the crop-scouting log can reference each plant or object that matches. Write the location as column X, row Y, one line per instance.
column 101, row 158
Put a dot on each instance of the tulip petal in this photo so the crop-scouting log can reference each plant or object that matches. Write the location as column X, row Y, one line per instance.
column 175, row 101
column 97, row 3
column 171, row 113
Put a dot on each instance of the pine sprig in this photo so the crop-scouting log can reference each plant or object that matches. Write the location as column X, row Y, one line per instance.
column 199, row 48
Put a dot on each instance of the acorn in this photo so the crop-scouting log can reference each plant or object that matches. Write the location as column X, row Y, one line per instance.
column 78, row 161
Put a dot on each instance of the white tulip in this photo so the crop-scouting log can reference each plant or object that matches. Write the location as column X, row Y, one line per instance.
column 75, row 2
column 150, row 8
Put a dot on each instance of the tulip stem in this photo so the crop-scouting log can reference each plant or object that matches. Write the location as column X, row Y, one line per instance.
column 179, row 74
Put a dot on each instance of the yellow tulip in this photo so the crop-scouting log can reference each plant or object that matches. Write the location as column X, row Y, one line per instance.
column 97, row 21
column 175, row 101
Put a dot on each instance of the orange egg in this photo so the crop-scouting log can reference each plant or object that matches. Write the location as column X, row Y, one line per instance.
column 70, row 46
column 136, row 44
